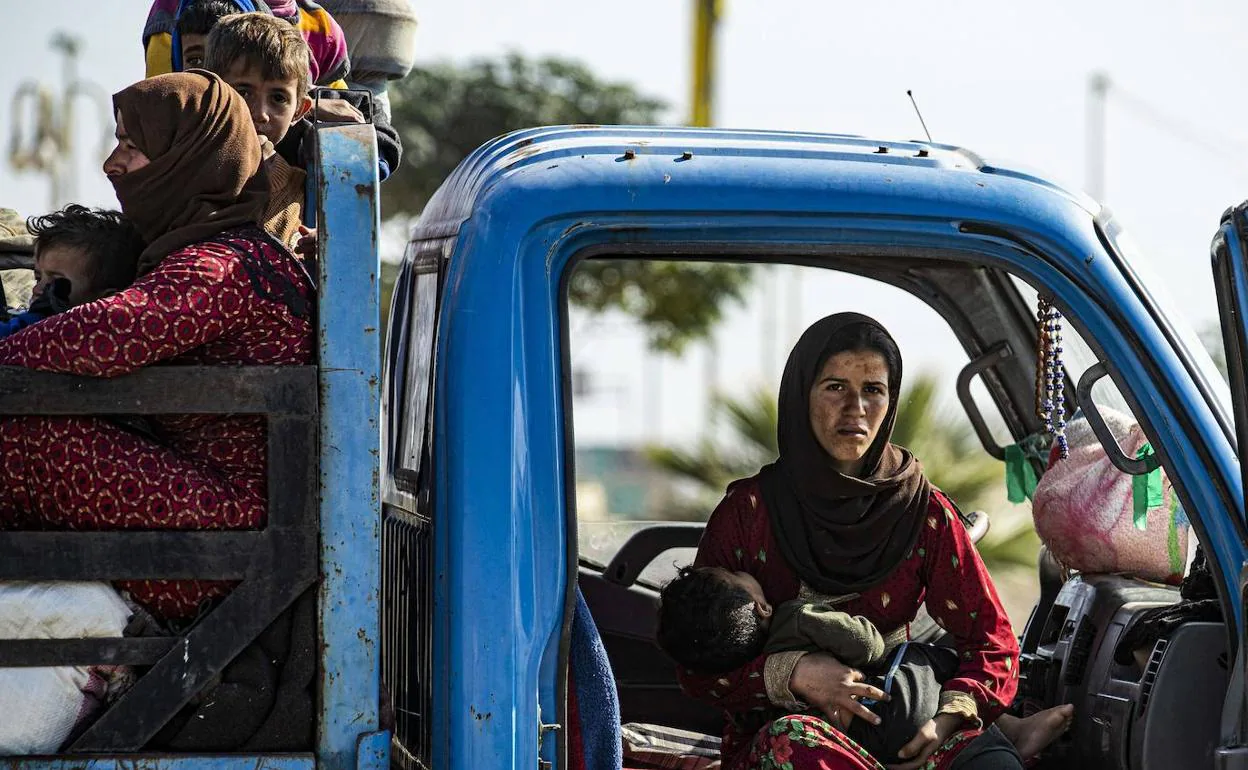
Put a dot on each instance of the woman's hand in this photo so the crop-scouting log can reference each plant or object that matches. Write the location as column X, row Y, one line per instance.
column 338, row 111
column 929, row 738
column 306, row 245
column 833, row 688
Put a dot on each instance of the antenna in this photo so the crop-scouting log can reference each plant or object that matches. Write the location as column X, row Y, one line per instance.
column 920, row 114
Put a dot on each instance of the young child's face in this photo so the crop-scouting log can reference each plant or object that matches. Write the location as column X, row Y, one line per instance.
column 275, row 104
column 193, row 50
column 55, row 261
column 746, row 581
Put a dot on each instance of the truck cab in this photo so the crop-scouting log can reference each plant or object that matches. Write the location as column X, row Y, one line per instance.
column 490, row 549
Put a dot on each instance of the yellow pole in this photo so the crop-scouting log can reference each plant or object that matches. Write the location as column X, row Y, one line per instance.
column 705, row 17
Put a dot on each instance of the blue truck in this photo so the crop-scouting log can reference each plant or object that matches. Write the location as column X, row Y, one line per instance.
column 441, row 524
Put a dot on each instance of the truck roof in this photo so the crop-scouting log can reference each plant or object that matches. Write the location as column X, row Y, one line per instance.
column 668, row 169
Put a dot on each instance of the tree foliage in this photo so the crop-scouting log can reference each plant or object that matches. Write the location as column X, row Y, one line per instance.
column 676, row 302
column 445, row 111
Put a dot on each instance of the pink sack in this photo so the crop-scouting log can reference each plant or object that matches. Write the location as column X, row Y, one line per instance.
column 1085, row 509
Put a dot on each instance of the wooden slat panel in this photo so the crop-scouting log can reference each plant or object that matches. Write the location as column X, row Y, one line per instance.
column 190, row 665
column 162, row 390
column 292, row 454
column 85, row 652
column 126, row 555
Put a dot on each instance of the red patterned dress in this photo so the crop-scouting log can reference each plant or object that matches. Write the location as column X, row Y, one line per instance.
column 765, row 726
column 204, row 304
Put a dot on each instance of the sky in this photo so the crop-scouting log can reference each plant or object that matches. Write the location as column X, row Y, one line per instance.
column 1007, row 80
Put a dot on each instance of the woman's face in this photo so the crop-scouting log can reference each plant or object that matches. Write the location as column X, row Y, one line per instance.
column 848, row 403
column 126, row 157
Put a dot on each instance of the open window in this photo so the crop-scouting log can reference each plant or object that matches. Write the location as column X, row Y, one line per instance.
column 657, row 436
column 660, row 428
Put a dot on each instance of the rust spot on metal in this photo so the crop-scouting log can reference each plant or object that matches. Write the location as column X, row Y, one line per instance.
column 525, row 152
column 364, row 190
column 629, row 154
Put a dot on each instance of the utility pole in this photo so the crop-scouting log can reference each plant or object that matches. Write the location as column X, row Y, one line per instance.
column 47, row 147
column 706, row 15
column 1098, row 96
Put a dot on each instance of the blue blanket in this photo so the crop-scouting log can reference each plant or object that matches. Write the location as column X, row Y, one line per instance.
column 598, row 704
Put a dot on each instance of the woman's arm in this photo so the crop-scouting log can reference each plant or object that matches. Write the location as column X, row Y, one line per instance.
column 962, row 599
column 195, row 296
column 731, row 540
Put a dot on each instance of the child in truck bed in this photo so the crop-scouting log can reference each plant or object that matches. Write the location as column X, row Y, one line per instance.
column 81, row 254
column 254, row 53
column 164, row 49
column 265, row 61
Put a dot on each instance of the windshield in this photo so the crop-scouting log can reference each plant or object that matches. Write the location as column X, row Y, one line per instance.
column 1209, row 379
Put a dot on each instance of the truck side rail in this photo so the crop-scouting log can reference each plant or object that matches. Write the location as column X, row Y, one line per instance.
column 324, row 517
column 275, row 564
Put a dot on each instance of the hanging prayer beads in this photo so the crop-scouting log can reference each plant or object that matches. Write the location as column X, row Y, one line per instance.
column 1050, row 379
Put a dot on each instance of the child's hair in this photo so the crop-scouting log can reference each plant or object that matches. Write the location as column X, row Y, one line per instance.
column 201, row 16
column 272, row 45
column 707, row 624
column 110, row 242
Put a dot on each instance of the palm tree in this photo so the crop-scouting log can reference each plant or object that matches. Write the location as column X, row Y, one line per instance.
column 951, row 456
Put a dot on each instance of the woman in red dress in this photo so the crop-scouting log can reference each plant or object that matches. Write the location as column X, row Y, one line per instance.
column 845, row 516
column 212, row 289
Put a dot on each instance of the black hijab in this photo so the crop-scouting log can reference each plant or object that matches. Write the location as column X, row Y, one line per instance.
column 841, row 534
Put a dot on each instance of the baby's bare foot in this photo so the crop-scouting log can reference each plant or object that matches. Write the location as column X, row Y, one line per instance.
column 1032, row 734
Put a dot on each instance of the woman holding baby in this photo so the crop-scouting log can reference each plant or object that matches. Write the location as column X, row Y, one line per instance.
column 848, row 518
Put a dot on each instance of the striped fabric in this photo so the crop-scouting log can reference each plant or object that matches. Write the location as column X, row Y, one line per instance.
column 668, row 748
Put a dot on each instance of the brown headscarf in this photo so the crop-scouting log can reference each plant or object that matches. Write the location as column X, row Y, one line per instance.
column 204, row 176
column 841, row 534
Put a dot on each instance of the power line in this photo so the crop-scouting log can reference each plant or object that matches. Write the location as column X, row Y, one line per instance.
column 1232, row 152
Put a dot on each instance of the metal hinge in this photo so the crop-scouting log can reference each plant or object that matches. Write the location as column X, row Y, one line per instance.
column 542, row 730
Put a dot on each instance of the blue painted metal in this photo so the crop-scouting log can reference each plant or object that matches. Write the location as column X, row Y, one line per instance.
column 524, row 205
column 350, row 356
column 373, row 752
column 167, row 762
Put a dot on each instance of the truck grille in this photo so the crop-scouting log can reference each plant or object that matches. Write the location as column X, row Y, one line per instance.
column 407, row 629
